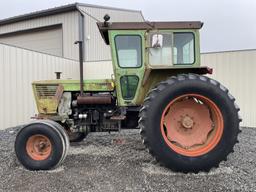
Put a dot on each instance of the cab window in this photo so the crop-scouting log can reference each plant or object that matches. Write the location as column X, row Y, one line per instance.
column 183, row 48
column 161, row 51
column 168, row 49
column 129, row 84
column 129, row 51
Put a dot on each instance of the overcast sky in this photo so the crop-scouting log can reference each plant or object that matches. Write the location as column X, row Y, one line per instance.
column 228, row 24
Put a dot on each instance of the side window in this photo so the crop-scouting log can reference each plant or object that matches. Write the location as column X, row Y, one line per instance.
column 129, row 86
column 161, row 51
column 183, row 48
column 129, row 51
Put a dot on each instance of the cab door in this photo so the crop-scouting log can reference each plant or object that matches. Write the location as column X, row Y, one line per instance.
column 128, row 48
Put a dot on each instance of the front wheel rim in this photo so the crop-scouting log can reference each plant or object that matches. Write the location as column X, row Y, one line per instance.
column 192, row 125
column 38, row 147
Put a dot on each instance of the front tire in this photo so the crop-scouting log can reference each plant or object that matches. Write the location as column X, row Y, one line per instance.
column 189, row 123
column 40, row 146
column 64, row 135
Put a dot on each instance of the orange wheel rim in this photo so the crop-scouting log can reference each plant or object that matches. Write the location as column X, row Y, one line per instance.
column 39, row 147
column 192, row 125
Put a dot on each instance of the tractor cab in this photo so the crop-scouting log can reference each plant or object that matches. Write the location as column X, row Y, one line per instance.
column 145, row 53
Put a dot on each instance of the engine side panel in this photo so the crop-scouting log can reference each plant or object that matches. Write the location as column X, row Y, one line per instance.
column 48, row 94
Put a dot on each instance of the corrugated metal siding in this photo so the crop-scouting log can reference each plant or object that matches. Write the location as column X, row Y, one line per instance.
column 70, row 27
column 95, row 48
column 98, row 70
column 20, row 67
column 236, row 70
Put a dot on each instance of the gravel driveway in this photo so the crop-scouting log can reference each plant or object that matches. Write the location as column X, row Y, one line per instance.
column 97, row 164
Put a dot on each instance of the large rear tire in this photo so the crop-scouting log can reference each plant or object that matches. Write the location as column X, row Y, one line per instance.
column 40, row 146
column 189, row 123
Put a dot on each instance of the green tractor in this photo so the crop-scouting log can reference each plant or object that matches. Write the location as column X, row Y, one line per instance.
column 188, row 121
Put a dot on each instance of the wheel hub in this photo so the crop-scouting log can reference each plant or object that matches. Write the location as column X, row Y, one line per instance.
column 188, row 123
column 42, row 145
column 38, row 147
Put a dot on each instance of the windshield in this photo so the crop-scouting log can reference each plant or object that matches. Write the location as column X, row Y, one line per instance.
column 129, row 51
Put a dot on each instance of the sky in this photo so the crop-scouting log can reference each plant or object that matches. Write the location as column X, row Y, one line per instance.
column 228, row 24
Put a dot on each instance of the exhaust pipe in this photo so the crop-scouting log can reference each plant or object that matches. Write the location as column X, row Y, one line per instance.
column 81, row 61
column 58, row 75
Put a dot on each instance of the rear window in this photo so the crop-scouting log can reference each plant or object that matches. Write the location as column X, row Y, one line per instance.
column 183, row 48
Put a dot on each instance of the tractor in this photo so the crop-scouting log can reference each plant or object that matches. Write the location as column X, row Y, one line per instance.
column 188, row 122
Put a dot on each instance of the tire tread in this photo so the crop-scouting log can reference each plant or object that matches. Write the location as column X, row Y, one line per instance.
column 164, row 85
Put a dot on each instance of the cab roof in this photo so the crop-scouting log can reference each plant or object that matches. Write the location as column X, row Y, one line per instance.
column 145, row 26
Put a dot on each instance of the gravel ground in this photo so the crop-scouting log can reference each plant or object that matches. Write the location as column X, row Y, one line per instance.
column 97, row 164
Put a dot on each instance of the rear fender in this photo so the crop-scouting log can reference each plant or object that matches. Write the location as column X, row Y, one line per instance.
column 153, row 76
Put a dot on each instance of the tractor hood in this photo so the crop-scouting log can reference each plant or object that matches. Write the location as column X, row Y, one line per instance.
column 49, row 93
column 103, row 85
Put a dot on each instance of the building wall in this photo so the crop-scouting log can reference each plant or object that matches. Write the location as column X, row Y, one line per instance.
column 95, row 48
column 236, row 70
column 70, row 29
column 98, row 70
column 20, row 67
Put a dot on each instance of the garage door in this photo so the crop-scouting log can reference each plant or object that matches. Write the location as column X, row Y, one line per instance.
column 43, row 40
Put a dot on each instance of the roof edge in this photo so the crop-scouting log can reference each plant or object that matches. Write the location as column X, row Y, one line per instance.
column 108, row 7
column 228, row 51
column 46, row 12
column 57, row 10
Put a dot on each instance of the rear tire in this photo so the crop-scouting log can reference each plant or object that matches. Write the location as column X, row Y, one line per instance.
column 40, row 146
column 167, row 139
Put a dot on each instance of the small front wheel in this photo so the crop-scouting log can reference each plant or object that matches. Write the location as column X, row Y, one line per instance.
column 40, row 146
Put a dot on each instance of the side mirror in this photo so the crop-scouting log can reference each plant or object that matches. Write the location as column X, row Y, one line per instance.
column 157, row 41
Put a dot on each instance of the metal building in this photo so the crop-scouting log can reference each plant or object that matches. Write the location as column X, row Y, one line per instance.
column 18, row 68
column 34, row 46
column 55, row 30
column 236, row 70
